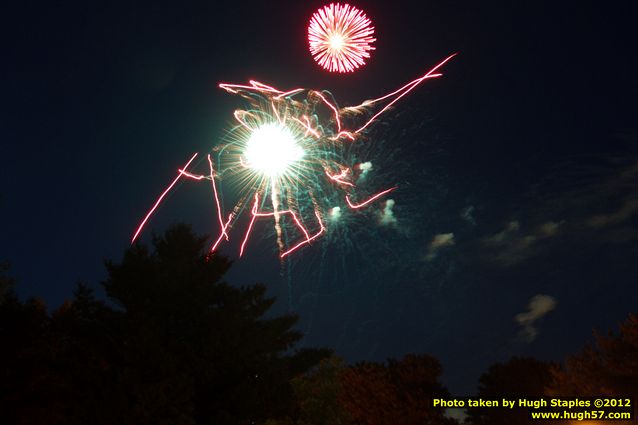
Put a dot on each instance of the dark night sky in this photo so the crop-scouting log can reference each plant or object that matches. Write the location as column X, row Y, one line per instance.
column 525, row 154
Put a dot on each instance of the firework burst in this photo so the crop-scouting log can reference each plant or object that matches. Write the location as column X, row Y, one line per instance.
column 294, row 159
column 340, row 37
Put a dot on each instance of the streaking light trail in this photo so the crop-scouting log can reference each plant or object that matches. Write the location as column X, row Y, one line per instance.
column 340, row 37
column 152, row 210
column 291, row 157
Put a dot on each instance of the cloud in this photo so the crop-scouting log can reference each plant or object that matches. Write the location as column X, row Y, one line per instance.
column 365, row 166
column 456, row 413
column 626, row 211
column 592, row 184
column 468, row 215
column 511, row 246
column 582, row 203
column 549, row 228
column 439, row 241
column 539, row 306
column 500, row 237
column 387, row 216
column 335, row 213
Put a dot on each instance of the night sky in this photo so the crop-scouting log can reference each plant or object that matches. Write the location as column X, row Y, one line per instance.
column 517, row 210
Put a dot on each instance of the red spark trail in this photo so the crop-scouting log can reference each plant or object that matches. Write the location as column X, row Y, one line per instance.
column 256, row 214
column 256, row 85
column 403, row 90
column 272, row 214
column 309, row 129
column 190, row 175
column 334, row 109
column 399, row 93
column 363, row 204
column 239, row 115
column 217, row 203
column 139, row 229
column 288, row 93
column 274, row 109
column 250, row 226
column 308, row 240
column 343, row 133
column 219, row 239
column 339, row 177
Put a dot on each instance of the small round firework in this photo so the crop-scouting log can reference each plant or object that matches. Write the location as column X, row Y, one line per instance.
column 340, row 37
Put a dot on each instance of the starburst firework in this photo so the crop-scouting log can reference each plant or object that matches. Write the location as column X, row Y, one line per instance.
column 291, row 159
column 340, row 37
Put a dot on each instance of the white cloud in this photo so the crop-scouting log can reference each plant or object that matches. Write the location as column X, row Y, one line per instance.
column 507, row 233
column 439, row 241
column 387, row 216
column 626, row 211
column 549, row 228
column 468, row 215
column 511, row 246
column 335, row 213
column 539, row 306
column 365, row 168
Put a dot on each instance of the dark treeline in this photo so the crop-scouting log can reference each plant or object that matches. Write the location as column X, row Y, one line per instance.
column 178, row 345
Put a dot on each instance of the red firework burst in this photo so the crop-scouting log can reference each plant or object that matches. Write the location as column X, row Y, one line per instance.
column 340, row 37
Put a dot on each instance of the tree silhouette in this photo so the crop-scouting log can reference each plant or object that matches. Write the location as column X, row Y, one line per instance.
column 519, row 377
column 196, row 346
column 317, row 397
column 317, row 394
column 89, row 357
column 28, row 384
column 398, row 392
column 609, row 367
column 180, row 347
column 6, row 283
column 369, row 393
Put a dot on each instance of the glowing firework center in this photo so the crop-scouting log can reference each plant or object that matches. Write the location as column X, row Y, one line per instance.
column 272, row 150
column 337, row 43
